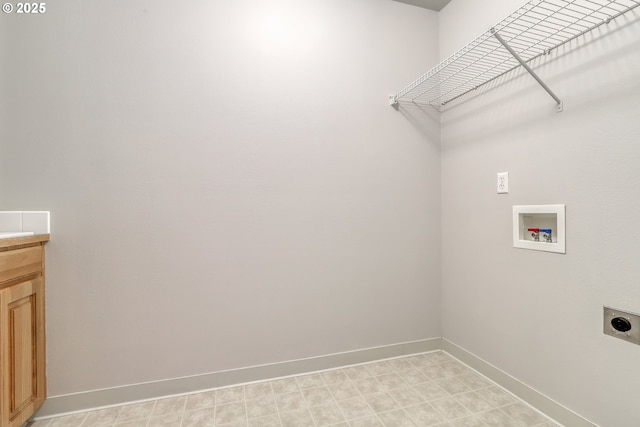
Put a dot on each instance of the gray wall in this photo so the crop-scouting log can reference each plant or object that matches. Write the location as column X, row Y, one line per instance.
column 228, row 185
column 537, row 315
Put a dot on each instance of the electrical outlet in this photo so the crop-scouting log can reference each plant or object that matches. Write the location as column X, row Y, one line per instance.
column 621, row 324
column 503, row 183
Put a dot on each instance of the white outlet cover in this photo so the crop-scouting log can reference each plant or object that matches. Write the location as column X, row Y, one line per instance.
column 502, row 183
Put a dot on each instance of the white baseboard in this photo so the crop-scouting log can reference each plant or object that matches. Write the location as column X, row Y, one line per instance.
column 541, row 402
column 78, row 402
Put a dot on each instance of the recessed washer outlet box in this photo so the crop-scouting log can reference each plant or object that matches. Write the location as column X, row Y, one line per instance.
column 622, row 324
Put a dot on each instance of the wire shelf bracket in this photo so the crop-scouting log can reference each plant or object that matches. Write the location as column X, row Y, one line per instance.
column 530, row 32
column 559, row 105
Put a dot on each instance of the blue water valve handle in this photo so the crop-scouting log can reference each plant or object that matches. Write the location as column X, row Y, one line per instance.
column 546, row 235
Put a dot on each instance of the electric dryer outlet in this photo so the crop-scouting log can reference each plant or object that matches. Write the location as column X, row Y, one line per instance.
column 622, row 324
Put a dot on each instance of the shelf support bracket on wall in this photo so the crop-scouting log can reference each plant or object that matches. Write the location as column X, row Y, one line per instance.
column 513, row 53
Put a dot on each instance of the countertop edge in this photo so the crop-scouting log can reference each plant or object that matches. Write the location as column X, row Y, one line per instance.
column 23, row 241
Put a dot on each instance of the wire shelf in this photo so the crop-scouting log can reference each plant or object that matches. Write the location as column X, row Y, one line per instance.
column 531, row 31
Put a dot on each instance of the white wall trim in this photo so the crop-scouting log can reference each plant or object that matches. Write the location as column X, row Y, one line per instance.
column 56, row 406
column 539, row 401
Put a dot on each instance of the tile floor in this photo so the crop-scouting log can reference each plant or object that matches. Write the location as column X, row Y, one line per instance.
column 430, row 389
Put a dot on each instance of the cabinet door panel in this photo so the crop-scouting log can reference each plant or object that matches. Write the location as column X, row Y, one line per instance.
column 22, row 336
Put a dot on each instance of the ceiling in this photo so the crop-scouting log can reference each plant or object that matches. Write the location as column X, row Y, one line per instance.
column 427, row 4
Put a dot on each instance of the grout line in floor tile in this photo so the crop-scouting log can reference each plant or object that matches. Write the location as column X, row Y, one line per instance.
column 273, row 393
column 184, row 410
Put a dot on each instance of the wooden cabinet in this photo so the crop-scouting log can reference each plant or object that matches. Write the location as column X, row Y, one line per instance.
column 22, row 332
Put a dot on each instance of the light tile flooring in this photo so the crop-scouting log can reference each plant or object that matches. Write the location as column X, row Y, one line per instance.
column 430, row 389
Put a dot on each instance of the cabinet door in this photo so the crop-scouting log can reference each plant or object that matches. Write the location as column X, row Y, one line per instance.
column 22, row 353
